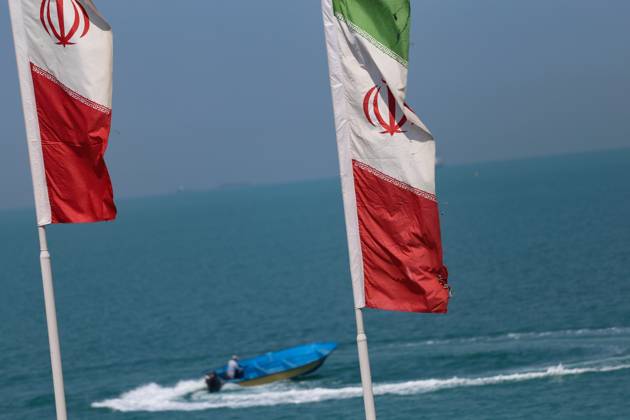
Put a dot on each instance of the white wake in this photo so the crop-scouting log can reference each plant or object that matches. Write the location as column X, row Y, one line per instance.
column 191, row 395
column 527, row 336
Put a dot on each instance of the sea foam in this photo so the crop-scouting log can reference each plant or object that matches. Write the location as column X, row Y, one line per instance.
column 582, row 333
column 191, row 395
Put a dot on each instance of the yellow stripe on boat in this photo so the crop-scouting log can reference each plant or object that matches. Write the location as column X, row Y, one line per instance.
column 287, row 374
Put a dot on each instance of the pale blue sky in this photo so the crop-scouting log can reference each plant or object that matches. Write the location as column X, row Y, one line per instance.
column 215, row 92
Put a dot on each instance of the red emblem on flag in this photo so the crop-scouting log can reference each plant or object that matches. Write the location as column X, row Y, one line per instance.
column 64, row 20
column 372, row 110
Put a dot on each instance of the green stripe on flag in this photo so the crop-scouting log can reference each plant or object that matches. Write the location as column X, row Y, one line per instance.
column 385, row 23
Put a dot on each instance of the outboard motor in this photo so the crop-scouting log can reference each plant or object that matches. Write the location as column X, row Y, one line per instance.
column 213, row 382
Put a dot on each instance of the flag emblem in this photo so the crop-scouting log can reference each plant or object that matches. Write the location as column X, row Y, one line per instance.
column 64, row 20
column 372, row 108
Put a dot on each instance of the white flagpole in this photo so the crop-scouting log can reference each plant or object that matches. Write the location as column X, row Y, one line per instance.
column 41, row 199
column 364, row 365
column 53, row 331
column 350, row 206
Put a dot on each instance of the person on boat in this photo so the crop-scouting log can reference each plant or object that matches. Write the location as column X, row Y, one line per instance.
column 234, row 370
column 213, row 382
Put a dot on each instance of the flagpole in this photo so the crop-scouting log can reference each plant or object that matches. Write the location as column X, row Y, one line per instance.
column 53, row 331
column 41, row 199
column 350, row 205
column 364, row 365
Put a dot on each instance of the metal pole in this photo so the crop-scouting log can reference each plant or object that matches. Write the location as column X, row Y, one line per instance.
column 342, row 126
column 53, row 332
column 41, row 195
column 364, row 365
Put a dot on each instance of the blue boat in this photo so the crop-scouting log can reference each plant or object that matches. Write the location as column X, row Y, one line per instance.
column 279, row 365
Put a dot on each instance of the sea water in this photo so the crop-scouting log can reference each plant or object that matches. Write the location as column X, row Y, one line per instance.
column 539, row 324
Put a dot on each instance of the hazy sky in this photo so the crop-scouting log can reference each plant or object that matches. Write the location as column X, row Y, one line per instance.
column 214, row 92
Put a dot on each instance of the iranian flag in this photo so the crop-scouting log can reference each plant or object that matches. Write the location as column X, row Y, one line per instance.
column 387, row 160
column 64, row 57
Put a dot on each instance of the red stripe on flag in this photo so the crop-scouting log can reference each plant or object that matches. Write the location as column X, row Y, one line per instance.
column 400, row 240
column 74, row 133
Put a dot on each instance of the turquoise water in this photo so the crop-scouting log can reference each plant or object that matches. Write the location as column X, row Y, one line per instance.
column 539, row 326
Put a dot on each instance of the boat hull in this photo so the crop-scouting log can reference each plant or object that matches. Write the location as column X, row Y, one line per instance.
column 288, row 374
